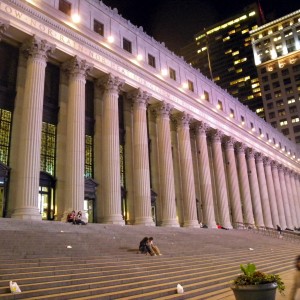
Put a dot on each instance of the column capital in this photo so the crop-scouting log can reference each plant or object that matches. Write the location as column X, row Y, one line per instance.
column 4, row 25
column 274, row 165
column 140, row 98
column 216, row 135
column 267, row 161
column 201, row 128
column 182, row 119
column 240, row 148
column 228, row 142
column 111, row 83
column 280, row 168
column 77, row 67
column 258, row 157
column 37, row 48
column 162, row 109
column 250, row 153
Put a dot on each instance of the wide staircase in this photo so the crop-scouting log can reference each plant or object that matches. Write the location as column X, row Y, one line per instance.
column 54, row 260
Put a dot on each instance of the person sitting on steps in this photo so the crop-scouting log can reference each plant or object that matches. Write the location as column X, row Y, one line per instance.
column 154, row 247
column 78, row 219
column 145, row 247
column 71, row 217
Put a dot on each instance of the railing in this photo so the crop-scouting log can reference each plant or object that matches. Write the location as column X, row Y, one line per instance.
column 289, row 235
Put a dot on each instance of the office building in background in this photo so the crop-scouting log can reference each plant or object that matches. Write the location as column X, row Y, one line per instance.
column 276, row 48
column 223, row 53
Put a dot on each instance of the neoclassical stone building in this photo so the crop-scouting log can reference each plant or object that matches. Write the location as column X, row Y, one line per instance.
column 95, row 115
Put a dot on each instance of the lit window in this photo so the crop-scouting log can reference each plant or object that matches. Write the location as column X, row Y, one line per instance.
column 295, row 120
column 48, row 146
column 231, row 113
column 191, row 86
column 290, row 101
column 283, row 122
column 88, row 168
column 220, row 105
column 5, row 126
column 206, row 96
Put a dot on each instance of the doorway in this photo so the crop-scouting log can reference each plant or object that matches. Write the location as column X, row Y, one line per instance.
column 46, row 203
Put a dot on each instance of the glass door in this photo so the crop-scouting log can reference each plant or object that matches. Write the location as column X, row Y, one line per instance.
column 89, row 210
column 1, row 201
column 46, row 203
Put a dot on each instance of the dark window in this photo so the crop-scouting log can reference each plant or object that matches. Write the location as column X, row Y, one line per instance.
column 265, row 78
column 260, row 132
column 293, row 109
column 151, row 61
column 297, row 77
column 267, row 87
column 127, row 46
column 276, row 84
column 65, row 7
column 274, row 124
column 296, row 68
column 270, row 105
column 263, row 70
column 172, row 74
column 220, row 105
column 243, row 119
column 287, row 81
column 274, row 75
column 98, row 27
column 296, row 128
column 271, row 115
column 268, row 96
column 285, row 131
column 297, row 139
column 285, row 72
column 191, row 85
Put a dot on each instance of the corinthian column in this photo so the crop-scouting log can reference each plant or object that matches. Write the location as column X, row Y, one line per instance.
column 286, row 205
column 287, row 176
column 221, row 189
column 271, row 191
column 263, row 191
column 278, row 194
column 142, row 191
column 205, row 177
column 167, row 188
column 233, row 184
column 4, row 25
column 28, row 165
column 188, row 182
column 244, row 184
column 111, row 186
column 77, row 70
column 254, row 188
column 295, row 196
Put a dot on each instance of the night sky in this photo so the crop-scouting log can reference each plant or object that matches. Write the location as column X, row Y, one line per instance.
column 175, row 22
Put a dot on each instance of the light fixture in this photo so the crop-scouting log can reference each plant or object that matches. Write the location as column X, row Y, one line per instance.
column 185, row 85
column 243, row 123
column 75, row 18
column 164, row 72
column 139, row 57
column 253, row 129
column 231, row 115
column 110, row 39
column 202, row 97
column 218, row 106
column 262, row 135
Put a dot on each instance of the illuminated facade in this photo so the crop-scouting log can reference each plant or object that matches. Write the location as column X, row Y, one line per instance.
column 97, row 116
column 223, row 52
column 276, row 47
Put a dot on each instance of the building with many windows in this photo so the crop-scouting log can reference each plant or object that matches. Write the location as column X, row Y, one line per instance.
column 276, row 47
column 223, row 53
column 97, row 116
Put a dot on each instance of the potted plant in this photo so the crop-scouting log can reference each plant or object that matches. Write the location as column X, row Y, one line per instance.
column 256, row 285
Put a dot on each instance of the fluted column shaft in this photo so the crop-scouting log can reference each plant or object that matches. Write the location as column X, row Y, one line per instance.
column 287, row 177
column 167, row 188
column 188, row 182
column 112, row 211
column 233, row 184
column 205, row 177
column 295, row 196
column 271, row 192
column 28, row 166
column 278, row 194
column 297, row 182
column 221, row 189
column 286, row 205
column 75, row 140
column 263, row 191
column 254, row 189
column 244, row 184
column 142, row 192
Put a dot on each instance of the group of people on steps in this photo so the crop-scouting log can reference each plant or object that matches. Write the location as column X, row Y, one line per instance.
column 147, row 247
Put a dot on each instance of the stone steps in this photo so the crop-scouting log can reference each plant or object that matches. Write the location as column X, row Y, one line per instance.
column 106, row 265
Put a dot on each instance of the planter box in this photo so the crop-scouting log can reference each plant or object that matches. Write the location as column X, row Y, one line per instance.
column 255, row 292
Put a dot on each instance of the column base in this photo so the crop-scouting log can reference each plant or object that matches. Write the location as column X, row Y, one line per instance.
column 144, row 221
column 227, row 226
column 191, row 224
column 212, row 225
column 27, row 214
column 115, row 220
column 170, row 223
